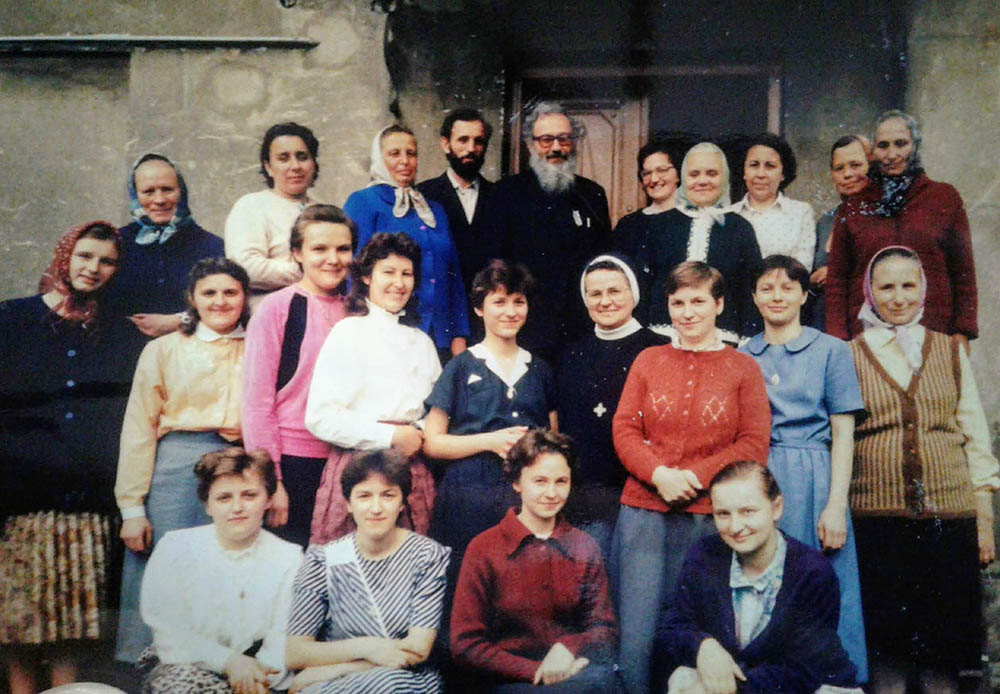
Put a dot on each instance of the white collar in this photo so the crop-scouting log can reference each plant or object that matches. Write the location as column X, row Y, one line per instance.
column 631, row 326
column 481, row 351
column 716, row 346
column 744, row 204
column 380, row 313
column 877, row 336
column 206, row 334
column 453, row 177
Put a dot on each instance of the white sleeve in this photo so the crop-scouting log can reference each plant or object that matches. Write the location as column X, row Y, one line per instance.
column 168, row 613
column 247, row 242
column 338, row 378
column 272, row 652
column 983, row 466
column 805, row 236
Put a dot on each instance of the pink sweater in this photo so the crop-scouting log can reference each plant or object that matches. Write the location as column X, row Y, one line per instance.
column 275, row 421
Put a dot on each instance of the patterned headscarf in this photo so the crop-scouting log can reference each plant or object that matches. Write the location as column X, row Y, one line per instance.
column 76, row 307
column 905, row 334
column 405, row 197
column 150, row 232
column 895, row 188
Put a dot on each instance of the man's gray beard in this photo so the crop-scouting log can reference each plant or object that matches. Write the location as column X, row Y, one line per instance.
column 554, row 178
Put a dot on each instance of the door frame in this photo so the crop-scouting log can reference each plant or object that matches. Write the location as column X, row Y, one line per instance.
column 512, row 148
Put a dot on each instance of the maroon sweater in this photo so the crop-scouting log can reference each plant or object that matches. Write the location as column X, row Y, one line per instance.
column 518, row 595
column 934, row 224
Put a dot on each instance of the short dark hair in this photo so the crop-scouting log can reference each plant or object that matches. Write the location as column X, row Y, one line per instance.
column 514, row 278
column 380, row 246
column 466, row 115
column 675, row 147
column 694, row 273
column 295, row 130
column 789, row 166
column 534, row 443
column 321, row 213
column 795, row 270
column 741, row 470
column 234, row 461
column 215, row 266
column 391, row 464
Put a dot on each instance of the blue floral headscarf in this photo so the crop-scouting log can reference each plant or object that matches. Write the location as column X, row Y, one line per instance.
column 149, row 231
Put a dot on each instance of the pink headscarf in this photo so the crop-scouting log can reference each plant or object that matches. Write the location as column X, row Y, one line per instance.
column 76, row 307
column 906, row 337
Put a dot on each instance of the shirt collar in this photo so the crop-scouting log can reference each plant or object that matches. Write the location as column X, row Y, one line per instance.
column 206, row 334
column 631, row 326
column 774, row 572
column 521, row 361
column 744, row 204
column 757, row 344
column 380, row 313
column 453, row 177
column 514, row 534
column 716, row 346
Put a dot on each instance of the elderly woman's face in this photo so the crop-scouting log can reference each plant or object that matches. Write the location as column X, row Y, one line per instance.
column 157, row 189
column 92, row 264
column 659, row 177
column 763, row 173
column 849, row 168
column 399, row 152
column 703, row 178
column 375, row 505
column 609, row 298
column 896, row 289
column 893, row 146
column 237, row 504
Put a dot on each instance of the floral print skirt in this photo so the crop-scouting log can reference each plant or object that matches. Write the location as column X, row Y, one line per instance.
column 54, row 578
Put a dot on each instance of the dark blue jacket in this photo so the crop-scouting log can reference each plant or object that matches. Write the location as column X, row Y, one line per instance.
column 798, row 651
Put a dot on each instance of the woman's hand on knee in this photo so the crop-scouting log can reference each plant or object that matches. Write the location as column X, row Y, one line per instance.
column 246, row 675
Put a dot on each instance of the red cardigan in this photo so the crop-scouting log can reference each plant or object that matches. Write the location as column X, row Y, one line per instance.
column 934, row 224
column 695, row 411
column 518, row 595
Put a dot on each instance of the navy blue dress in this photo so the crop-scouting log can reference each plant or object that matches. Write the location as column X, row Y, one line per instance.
column 472, row 495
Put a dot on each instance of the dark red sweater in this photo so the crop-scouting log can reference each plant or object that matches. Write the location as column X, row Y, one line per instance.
column 934, row 224
column 695, row 411
column 518, row 595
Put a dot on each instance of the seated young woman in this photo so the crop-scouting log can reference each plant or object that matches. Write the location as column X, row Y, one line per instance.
column 366, row 607
column 514, row 625
column 216, row 596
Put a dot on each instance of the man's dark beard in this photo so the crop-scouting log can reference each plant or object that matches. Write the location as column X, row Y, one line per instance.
column 466, row 170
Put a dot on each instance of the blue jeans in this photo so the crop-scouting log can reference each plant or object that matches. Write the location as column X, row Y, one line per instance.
column 648, row 550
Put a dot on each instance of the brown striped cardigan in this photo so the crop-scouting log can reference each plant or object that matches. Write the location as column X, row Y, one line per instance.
column 908, row 454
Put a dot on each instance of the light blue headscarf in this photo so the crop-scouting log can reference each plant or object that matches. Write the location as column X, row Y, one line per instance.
column 149, row 231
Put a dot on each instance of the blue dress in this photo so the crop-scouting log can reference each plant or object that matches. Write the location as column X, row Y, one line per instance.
column 801, row 405
column 472, row 496
column 443, row 305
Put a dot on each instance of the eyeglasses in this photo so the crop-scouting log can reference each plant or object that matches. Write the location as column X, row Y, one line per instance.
column 661, row 171
column 547, row 140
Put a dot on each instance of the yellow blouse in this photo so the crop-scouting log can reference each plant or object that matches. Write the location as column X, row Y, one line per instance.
column 182, row 383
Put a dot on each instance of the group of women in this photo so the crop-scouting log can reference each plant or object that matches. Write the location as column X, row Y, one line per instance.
column 354, row 312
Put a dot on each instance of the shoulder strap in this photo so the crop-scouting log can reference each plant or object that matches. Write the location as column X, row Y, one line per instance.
column 291, row 342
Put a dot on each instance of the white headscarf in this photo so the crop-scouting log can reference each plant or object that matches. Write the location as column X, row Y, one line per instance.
column 906, row 336
column 405, row 197
column 703, row 218
column 631, row 325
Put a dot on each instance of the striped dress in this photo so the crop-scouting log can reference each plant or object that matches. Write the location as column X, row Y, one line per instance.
column 339, row 594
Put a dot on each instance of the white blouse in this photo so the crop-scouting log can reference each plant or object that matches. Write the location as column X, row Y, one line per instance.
column 371, row 371
column 205, row 603
column 787, row 227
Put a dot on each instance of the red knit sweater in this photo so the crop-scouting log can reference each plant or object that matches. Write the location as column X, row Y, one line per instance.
column 695, row 411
